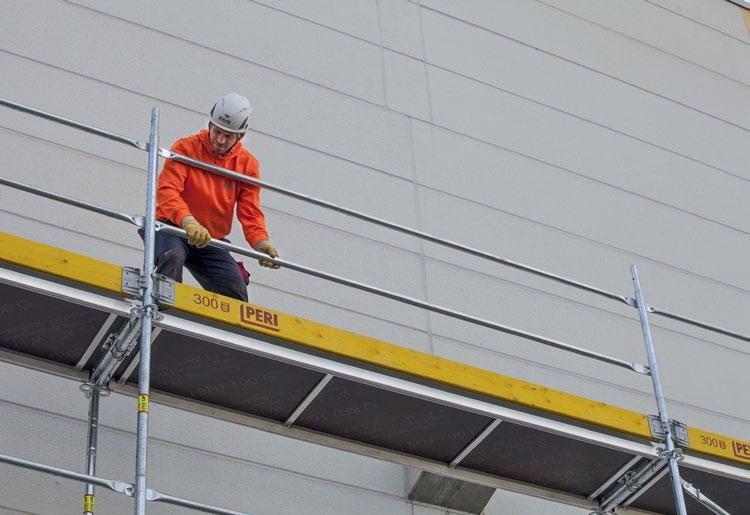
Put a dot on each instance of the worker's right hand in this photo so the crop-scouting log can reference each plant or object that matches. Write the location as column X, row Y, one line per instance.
column 197, row 234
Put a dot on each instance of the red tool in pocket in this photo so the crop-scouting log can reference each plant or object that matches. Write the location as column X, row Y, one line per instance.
column 243, row 272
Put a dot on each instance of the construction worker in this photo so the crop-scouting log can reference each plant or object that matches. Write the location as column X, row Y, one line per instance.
column 203, row 203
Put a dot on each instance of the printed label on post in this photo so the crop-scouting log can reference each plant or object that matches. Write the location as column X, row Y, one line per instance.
column 143, row 404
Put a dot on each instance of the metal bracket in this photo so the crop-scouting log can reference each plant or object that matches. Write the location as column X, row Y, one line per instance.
column 630, row 301
column 164, row 289
column 133, row 283
column 678, row 429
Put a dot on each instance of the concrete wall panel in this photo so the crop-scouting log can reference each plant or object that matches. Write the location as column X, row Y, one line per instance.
column 521, row 70
column 517, row 182
column 406, row 85
column 577, row 137
column 264, row 36
column 672, row 34
column 401, row 27
column 608, row 52
column 724, row 17
column 357, row 17
column 534, row 130
column 361, row 132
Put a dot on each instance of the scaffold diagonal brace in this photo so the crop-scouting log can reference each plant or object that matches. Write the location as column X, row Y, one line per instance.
column 119, row 346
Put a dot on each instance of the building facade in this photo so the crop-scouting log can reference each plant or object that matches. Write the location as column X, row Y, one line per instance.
column 576, row 136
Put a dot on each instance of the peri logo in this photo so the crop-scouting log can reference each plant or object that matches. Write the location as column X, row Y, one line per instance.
column 258, row 317
column 741, row 449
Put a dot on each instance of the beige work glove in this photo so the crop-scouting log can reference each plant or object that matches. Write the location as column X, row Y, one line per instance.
column 197, row 234
column 266, row 247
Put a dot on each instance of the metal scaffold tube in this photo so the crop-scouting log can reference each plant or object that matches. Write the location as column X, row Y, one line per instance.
column 168, row 154
column 115, row 485
column 72, row 123
column 671, row 452
column 385, row 223
column 88, row 497
column 150, row 310
column 703, row 499
column 697, row 323
column 139, row 222
column 111, row 213
column 155, row 496
column 637, row 367
column 146, row 312
column 355, row 214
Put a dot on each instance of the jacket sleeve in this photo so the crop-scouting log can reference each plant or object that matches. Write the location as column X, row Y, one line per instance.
column 248, row 209
column 170, row 186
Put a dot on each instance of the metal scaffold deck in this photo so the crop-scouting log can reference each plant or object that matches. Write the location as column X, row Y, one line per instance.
column 117, row 328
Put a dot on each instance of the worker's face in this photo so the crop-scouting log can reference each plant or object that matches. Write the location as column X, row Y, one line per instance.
column 221, row 140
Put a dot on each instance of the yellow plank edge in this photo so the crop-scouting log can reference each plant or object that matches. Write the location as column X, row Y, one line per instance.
column 719, row 445
column 100, row 274
column 61, row 263
column 383, row 354
column 745, row 13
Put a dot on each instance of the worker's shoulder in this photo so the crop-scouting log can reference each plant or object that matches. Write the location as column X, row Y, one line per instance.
column 248, row 160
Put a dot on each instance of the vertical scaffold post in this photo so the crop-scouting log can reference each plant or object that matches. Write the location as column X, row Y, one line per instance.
column 670, row 453
column 149, row 311
column 88, row 496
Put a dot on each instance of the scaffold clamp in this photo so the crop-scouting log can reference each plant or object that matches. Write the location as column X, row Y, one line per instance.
column 87, row 387
column 675, row 453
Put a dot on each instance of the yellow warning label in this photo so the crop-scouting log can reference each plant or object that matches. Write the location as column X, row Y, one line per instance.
column 143, row 404
column 88, row 504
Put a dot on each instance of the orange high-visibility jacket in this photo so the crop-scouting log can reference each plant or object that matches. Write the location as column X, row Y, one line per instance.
column 185, row 190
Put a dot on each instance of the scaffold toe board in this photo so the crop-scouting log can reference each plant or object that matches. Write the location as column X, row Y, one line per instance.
column 63, row 311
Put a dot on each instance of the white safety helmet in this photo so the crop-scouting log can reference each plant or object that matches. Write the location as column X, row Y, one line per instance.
column 232, row 113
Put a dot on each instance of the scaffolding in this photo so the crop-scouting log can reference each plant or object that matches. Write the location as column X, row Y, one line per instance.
column 137, row 322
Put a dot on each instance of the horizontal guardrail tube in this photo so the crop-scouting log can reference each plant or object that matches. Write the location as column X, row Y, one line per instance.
column 434, row 239
column 136, row 220
column 114, row 485
column 385, row 223
column 642, row 369
column 361, row 216
column 72, row 123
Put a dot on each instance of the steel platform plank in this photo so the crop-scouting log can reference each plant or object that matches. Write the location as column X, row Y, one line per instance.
column 383, row 399
column 733, row 496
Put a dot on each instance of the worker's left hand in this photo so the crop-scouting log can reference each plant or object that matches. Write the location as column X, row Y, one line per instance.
column 266, row 247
